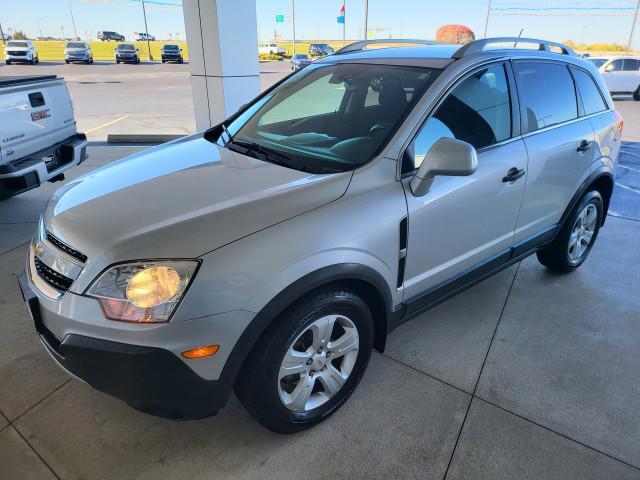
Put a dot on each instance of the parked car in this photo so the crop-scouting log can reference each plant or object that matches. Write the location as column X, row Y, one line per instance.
column 38, row 136
column 110, row 36
column 78, row 52
column 271, row 49
column 272, row 253
column 320, row 49
column 299, row 60
column 20, row 51
column 127, row 53
column 621, row 74
column 171, row 53
column 143, row 37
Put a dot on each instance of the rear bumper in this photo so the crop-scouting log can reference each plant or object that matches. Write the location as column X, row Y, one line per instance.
column 27, row 173
column 149, row 379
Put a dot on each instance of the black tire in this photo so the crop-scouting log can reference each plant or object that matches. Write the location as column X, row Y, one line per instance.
column 8, row 62
column 117, row 61
column 257, row 385
column 67, row 62
column 636, row 94
column 556, row 257
column 37, row 59
column 180, row 61
column 33, row 61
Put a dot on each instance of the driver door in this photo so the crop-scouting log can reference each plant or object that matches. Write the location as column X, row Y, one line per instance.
column 463, row 222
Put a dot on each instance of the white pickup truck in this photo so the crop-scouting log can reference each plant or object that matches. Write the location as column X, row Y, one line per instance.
column 38, row 137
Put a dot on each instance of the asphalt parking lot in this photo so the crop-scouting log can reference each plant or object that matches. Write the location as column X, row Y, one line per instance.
column 528, row 375
column 152, row 97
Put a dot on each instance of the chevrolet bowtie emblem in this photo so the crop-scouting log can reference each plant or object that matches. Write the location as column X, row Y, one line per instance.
column 38, row 249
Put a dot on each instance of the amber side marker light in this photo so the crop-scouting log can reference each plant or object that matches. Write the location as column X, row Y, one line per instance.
column 201, row 352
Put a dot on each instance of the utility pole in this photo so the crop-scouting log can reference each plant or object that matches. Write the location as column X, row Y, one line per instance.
column 2, row 35
column 144, row 13
column 366, row 18
column 486, row 21
column 73, row 22
column 633, row 26
column 40, row 26
column 293, row 25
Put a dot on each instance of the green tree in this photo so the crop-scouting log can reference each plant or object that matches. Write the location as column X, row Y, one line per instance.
column 19, row 35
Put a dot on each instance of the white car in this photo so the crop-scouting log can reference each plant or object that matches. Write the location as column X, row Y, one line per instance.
column 271, row 49
column 143, row 37
column 620, row 73
column 20, row 51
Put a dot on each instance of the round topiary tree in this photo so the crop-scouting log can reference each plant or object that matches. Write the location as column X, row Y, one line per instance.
column 458, row 34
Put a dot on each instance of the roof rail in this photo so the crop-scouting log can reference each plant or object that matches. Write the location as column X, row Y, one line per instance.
column 478, row 46
column 361, row 45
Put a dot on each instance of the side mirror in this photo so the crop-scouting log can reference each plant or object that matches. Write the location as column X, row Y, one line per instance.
column 446, row 157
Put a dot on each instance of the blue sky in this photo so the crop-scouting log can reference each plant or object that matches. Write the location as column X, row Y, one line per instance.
column 579, row 20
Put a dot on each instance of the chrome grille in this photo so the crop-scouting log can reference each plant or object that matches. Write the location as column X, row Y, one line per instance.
column 53, row 278
column 66, row 248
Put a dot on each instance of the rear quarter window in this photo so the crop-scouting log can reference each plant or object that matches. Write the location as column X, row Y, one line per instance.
column 592, row 101
column 547, row 93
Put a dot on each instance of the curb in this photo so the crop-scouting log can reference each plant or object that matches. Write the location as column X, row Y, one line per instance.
column 142, row 138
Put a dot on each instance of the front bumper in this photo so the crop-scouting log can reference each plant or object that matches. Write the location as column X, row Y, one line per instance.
column 18, row 58
column 151, row 379
column 27, row 173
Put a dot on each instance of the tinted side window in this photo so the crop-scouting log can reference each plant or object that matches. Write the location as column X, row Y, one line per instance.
column 631, row 65
column 614, row 66
column 477, row 111
column 547, row 93
column 592, row 100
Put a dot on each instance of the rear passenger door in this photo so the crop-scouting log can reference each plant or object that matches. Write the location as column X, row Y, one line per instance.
column 559, row 143
column 629, row 78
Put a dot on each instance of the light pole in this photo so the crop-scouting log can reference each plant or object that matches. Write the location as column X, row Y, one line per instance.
column 73, row 22
column 2, row 35
column 144, row 13
column 486, row 22
column 366, row 18
column 40, row 26
column 633, row 26
column 293, row 25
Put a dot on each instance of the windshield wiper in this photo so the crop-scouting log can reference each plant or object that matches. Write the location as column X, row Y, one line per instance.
column 265, row 153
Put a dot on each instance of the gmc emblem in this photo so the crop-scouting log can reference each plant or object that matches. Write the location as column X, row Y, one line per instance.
column 40, row 114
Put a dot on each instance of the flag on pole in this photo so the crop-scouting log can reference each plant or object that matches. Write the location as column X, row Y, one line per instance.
column 341, row 16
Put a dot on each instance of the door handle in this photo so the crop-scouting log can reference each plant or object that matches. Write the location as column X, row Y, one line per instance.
column 513, row 174
column 584, row 146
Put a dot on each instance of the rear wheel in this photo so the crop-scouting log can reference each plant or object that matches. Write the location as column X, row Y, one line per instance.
column 305, row 367
column 636, row 94
column 8, row 62
column 576, row 238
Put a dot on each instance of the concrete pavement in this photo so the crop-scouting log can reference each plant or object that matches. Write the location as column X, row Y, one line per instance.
column 526, row 375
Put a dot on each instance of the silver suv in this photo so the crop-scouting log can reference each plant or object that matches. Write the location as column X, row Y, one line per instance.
column 273, row 252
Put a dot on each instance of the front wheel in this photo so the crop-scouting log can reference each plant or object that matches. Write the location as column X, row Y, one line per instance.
column 309, row 361
column 636, row 94
column 8, row 62
column 576, row 237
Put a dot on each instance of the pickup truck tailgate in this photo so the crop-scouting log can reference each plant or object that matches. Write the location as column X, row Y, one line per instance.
column 35, row 112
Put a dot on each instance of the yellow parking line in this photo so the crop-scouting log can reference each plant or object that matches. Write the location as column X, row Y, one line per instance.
column 106, row 124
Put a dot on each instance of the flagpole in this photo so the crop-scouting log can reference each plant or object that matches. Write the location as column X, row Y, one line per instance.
column 366, row 18
column 344, row 23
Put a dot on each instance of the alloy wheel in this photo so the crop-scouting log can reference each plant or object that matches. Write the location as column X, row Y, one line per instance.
column 582, row 232
column 318, row 363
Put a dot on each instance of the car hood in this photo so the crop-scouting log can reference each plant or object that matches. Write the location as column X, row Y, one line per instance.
column 181, row 200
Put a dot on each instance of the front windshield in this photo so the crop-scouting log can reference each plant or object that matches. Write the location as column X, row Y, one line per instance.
column 125, row 47
column 18, row 44
column 171, row 47
column 598, row 62
column 300, row 56
column 75, row 45
column 330, row 118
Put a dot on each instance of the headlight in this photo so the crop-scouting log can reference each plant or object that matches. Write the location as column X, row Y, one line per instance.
column 144, row 292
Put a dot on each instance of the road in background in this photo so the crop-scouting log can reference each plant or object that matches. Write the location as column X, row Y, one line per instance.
column 149, row 98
